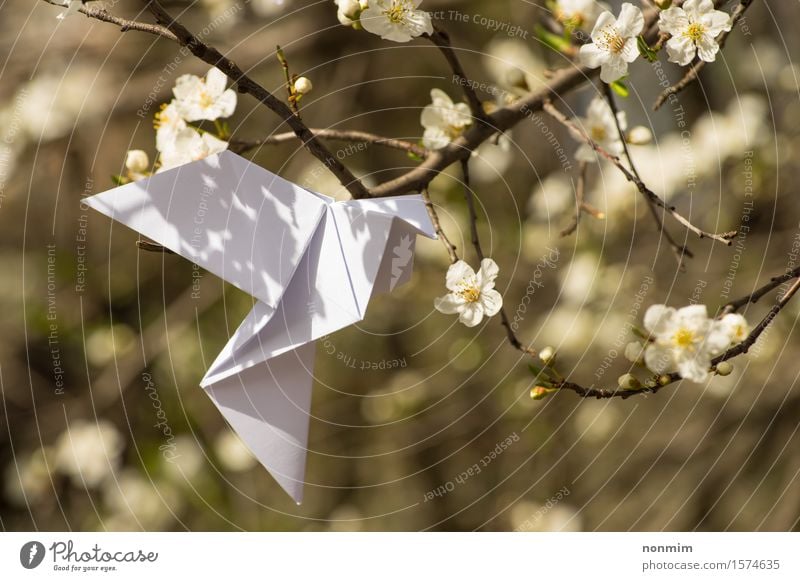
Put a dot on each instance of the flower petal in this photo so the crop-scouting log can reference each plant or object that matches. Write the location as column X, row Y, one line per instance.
column 450, row 304
column 488, row 272
column 605, row 20
column 707, row 49
column 435, row 138
column 693, row 316
column 457, row 272
column 657, row 319
column 226, row 104
column 673, row 21
column 659, row 359
column 472, row 314
column 492, row 302
column 613, row 69
column 716, row 22
column 215, row 82
column 680, row 50
column 694, row 368
column 592, row 56
column 630, row 21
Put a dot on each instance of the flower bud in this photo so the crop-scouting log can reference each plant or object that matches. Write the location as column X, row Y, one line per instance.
column 350, row 8
column 664, row 380
column 640, row 135
column 137, row 162
column 303, row 86
column 634, row 352
column 540, row 392
column 628, row 381
column 663, row 4
column 344, row 20
column 724, row 369
column 516, row 78
column 547, row 355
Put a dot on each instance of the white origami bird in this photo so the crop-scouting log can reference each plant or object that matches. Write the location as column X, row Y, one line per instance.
column 312, row 263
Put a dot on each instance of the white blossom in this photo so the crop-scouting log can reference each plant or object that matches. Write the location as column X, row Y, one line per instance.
column 613, row 44
column 88, row 452
column 443, row 120
column 683, row 340
column 168, row 123
column 199, row 99
column 348, row 11
column 736, row 327
column 640, row 135
column 190, row 145
column 694, row 27
column 303, row 85
column 579, row 13
column 472, row 294
column 634, row 352
column 137, row 163
column 600, row 126
column 397, row 20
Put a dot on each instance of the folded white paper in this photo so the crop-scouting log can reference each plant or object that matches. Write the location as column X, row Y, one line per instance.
column 312, row 264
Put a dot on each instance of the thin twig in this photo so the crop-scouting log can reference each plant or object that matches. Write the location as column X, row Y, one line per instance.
column 124, row 24
column 441, row 39
column 469, row 197
column 679, row 250
column 753, row 298
column 242, row 146
column 452, row 251
column 580, row 195
column 247, row 85
column 724, row 238
column 291, row 96
column 658, row 382
column 694, row 71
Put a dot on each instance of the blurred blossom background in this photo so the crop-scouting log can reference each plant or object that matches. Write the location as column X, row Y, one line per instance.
column 104, row 425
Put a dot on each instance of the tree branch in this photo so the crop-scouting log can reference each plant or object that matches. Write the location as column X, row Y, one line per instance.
column 452, row 251
column 724, row 238
column 679, row 250
column 123, row 23
column 441, row 39
column 469, row 197
column 658, row 382
column 247, row 85
column 694, row 71
column 241, row 145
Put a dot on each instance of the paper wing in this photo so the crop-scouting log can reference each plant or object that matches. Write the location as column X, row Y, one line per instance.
column 262, row 379
column 226, row 214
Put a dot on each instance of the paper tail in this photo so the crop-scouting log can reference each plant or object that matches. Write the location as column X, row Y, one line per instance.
column 268, row 405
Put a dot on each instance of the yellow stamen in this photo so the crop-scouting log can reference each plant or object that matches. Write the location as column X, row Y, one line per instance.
column 611, row 40
column 598, row 133
column 397, row 13
column 695, row 32
column 206, row 100
column 684, row 338
column 469, row 293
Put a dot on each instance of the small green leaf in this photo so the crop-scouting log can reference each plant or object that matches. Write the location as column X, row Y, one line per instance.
column 554, row 41
column 414, row 156
column 119, row 180
column 620, row 88
column 645, row 50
